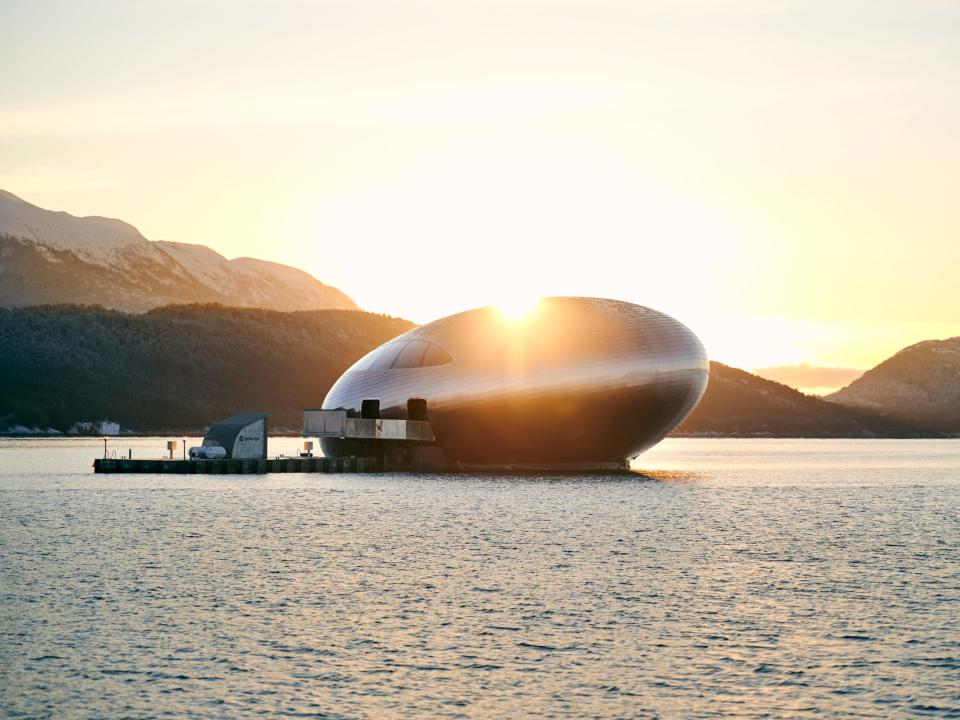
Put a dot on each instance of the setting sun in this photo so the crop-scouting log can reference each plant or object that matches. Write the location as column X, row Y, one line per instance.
column 518, row 307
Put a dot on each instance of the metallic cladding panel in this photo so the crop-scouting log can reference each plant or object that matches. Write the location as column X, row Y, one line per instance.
column 385, row 429
column 227, row 434
column 580, row 380
column 250, row 441
column 324, row 422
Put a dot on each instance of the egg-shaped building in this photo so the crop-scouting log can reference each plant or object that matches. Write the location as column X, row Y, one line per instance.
column 576, row 383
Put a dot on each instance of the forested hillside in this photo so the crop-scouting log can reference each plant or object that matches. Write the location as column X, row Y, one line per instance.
column 738, row 403
column 182, row 367
column 921, row 382
column 178, row 367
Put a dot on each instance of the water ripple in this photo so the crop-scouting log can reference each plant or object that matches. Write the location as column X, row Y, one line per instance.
column 773, row 579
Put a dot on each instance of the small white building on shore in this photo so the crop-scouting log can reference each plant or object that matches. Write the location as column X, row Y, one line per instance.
column 95, row 427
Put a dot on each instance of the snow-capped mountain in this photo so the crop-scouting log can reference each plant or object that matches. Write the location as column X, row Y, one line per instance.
column 53, row 257
column 920, row 382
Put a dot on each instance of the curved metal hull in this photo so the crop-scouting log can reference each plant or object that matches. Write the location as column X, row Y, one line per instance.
column 580, row 382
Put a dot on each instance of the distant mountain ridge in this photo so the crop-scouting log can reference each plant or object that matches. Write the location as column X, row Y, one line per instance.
column 740, row 404
column 189, row 365
column 921, row 383
column 51, row 257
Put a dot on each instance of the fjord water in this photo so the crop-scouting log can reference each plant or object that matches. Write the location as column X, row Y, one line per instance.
column 757, row 578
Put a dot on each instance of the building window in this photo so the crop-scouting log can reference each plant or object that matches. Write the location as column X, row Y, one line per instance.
column 411, row 355
column 435, row 355
column 404, row 355
column 386, row 356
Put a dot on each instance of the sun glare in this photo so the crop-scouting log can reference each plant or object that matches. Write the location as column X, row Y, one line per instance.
column 517, row 308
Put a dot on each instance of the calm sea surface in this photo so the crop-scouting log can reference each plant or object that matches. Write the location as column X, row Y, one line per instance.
column 757, row 578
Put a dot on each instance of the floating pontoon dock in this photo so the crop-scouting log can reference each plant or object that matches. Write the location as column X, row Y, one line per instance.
column 381, row 445
column 236, row 466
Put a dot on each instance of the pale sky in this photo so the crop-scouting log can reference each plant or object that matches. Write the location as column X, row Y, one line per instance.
column 782, row 177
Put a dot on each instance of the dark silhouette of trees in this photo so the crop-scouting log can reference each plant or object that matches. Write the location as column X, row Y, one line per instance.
column 177, row 367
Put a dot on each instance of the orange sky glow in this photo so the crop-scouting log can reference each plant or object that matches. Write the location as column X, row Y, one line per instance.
column 782, row 177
